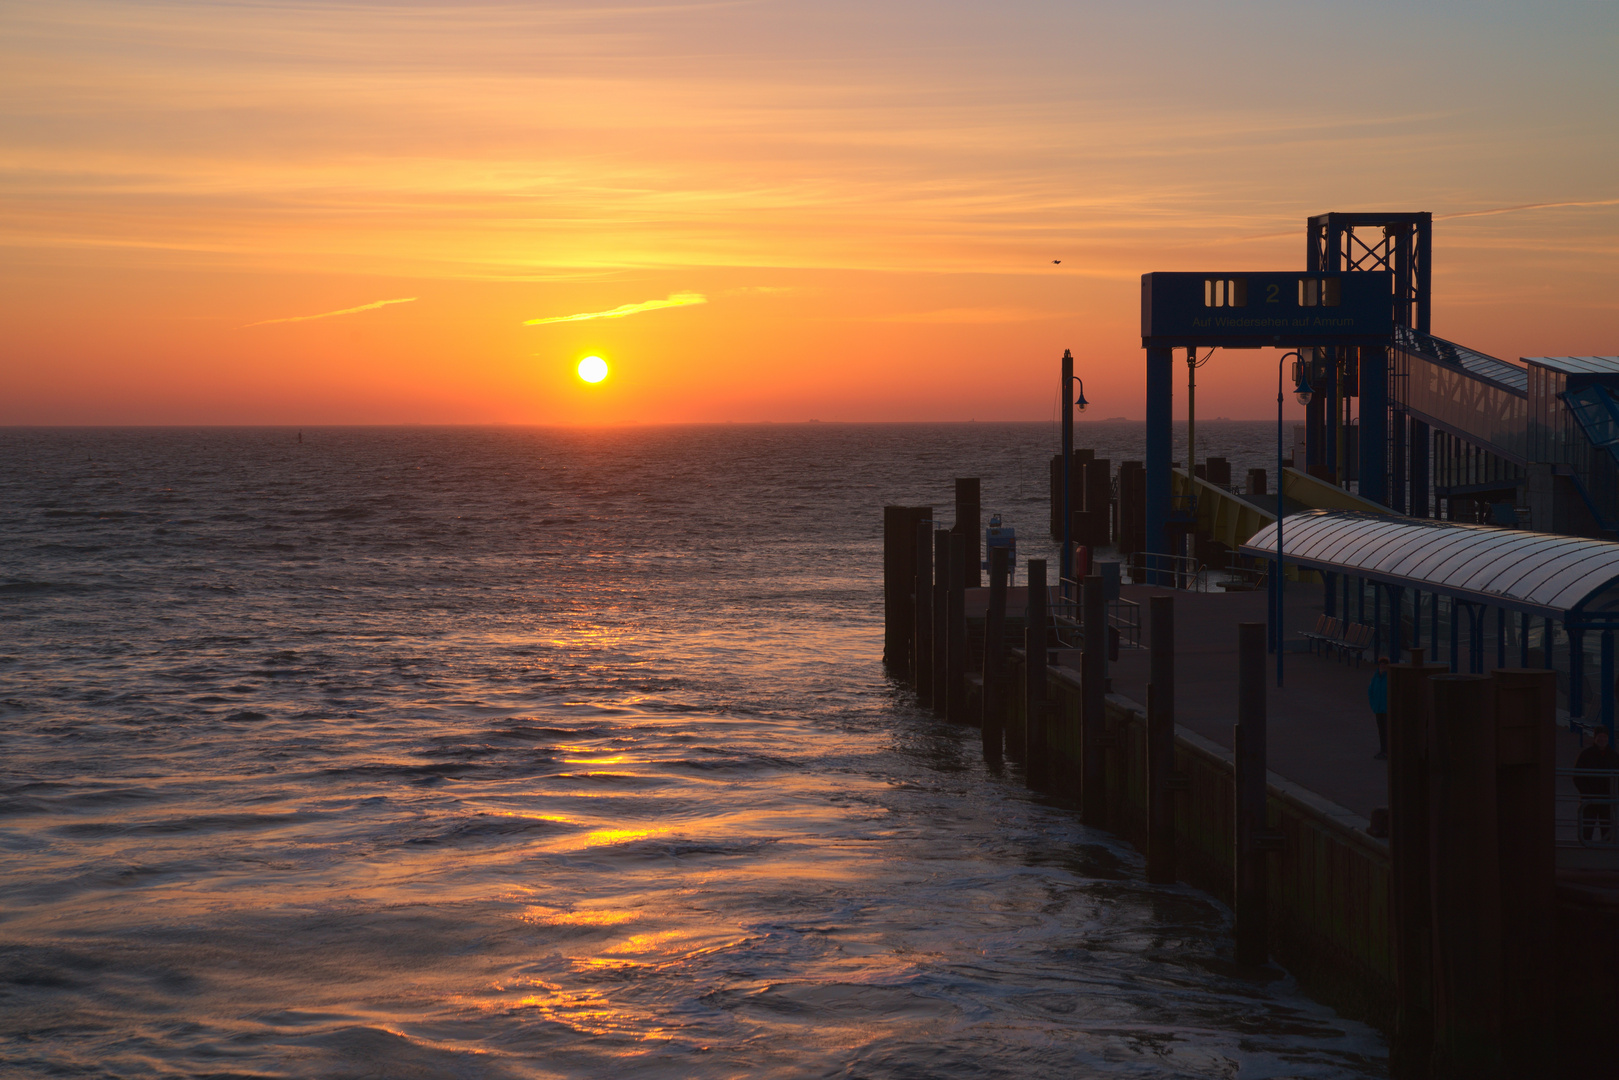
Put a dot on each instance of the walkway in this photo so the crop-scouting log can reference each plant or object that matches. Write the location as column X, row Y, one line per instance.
column 1322, row 735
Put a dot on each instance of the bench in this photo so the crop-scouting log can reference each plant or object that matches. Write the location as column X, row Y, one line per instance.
column 1356, row 640
column 1327, row 633
column 1347, row 641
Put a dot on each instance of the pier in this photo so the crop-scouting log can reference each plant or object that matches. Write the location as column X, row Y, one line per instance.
column 1460, row 891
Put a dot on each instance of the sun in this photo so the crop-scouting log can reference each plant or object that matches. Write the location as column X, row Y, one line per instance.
column 593, row 369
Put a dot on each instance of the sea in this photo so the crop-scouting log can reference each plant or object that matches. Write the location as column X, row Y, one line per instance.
column 536, row 752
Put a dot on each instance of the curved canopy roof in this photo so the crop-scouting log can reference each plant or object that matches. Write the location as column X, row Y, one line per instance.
column 1570, row 578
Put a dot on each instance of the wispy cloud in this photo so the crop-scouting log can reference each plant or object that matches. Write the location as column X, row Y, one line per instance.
column 679, row 299
column 329, row 314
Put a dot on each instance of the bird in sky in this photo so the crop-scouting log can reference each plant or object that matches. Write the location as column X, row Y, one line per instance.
column 1054, row 262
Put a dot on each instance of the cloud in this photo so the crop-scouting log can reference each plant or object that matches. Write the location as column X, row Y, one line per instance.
column 329, row 314
column 679, row 299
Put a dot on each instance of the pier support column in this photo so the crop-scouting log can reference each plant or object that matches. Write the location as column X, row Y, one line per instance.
column 1252, row 924
column 993, row 717
column 1093, row 705
column 956, row 632
column 1419, row 455
column 1396, row 627
column 1161, row 742
column 922, row 665
column 1576, row 674
column 1160, row 404
column 1034, row 671
column 1465, row 868
column 1526, row 778
column 1374, row 423
column 1605, row 692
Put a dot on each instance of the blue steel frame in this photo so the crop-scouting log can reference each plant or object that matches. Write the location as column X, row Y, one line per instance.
column 1173, row 315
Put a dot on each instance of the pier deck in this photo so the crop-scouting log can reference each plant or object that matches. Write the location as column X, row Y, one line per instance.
column 1321, row 733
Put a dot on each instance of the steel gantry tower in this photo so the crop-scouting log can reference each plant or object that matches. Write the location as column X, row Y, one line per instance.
column 1387, row 452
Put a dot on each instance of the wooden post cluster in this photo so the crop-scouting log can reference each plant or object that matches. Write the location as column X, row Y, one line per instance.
column 1473, row 905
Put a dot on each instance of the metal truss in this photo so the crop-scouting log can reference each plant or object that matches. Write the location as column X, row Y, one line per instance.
column 1403, row 245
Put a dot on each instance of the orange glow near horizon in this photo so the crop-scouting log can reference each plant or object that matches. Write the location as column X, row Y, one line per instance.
column 289, row 214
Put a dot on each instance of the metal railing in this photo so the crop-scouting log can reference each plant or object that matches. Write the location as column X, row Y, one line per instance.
column 1172, row 571
column 1124, row 617
column 1587, row 813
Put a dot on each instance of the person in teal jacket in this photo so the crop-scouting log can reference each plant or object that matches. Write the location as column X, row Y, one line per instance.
column 1377, row 695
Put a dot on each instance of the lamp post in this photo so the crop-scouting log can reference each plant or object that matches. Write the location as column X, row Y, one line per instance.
column 1065, row 562
column 1065, row 559
column 1302, row 391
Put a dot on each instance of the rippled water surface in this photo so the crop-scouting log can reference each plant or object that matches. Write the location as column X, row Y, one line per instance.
column 530, row 753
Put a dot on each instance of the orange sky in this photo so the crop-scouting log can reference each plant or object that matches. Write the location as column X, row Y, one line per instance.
column 867, row 197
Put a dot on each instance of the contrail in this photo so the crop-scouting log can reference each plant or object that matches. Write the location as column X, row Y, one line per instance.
column 329, row 314
column 679, row 299
column 1526, row 206
column 1470, row 213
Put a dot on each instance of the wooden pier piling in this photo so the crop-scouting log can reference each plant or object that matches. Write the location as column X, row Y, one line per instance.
column 969, row 523
column 1161, row 742
column 1410, row 903
column 1525, row 790
column 941, row 619
column 993, row 698
column 1093, row 704
column 1466, row 875
column 1034, row 671
column 898, row 616
column 956, row 632
column 1252, row 929
column 922, row 648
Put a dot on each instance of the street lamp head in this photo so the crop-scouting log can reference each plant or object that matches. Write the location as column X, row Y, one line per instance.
column 1302, row 391
column 1081, row 403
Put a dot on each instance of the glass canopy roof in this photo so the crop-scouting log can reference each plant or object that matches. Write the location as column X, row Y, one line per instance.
column 1569, row 578
column 1474, row 363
